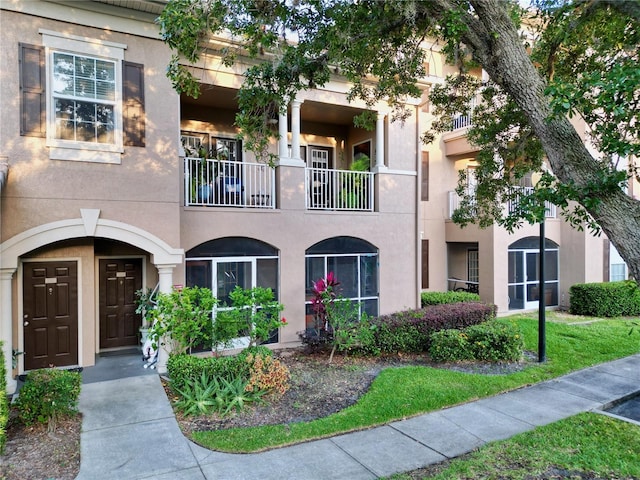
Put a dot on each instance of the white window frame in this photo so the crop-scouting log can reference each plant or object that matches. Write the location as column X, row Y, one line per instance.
column 74, row 150
column 535, row 282
column 617, row 267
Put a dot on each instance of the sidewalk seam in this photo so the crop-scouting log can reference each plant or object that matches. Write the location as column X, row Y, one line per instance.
column 353, row 458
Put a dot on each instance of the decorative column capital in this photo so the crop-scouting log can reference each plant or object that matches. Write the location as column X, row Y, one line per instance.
column 7, row 273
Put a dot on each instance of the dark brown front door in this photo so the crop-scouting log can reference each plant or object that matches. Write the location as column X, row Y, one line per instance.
column 50, row 308
column 119, row 322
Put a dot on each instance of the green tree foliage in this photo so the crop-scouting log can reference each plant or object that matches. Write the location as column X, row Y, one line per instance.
column 254, row 313
column 182, row 319
column 579, row 58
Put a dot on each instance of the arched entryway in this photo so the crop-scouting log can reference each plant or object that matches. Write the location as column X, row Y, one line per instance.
column 59, row 275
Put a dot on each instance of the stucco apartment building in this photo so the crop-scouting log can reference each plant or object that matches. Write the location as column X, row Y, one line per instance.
column 112, row 182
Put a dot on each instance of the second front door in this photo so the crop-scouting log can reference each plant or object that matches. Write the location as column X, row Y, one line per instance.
column 119, row 322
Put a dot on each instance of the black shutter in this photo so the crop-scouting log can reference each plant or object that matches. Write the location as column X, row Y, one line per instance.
column 133, row 104
column 425, row 263
column 33, row 121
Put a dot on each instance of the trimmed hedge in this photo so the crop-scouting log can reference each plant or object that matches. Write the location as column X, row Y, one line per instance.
column 4, row 402
column 609, row 299
column 184, row 369
column 493, row 341
column 439, row 298
column 410, row 331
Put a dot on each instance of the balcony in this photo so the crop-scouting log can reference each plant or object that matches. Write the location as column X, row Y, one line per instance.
column 465, row 119
column 456, row 141
column 339, row 190
column 550, row 211
column 225, row 183
column 454, row 202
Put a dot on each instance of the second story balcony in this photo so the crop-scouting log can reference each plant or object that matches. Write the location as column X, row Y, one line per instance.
column 339, row 190
column 454, row 202
column 226, row 183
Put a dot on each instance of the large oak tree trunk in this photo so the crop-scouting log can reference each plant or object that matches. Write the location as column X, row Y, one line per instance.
column 495, row 44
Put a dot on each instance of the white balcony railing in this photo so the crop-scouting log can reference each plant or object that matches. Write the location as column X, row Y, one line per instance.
column 339, row 190
column 466, row 119
column 454, row 202
column 550, row 211
column 225, row 183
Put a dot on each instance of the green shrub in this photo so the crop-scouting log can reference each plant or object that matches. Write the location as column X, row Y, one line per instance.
column 208, row 394
column 258, row 350
column 609, row 299
column 450, row 346
column 182, row 318
column 184, row 369
column 47, row 395
column 490, row 341
column 4, row 402
column 394, row 338
column 366, row 338
column 438, row 298
column 255, row 313
column 496, row 341
column 409, row 331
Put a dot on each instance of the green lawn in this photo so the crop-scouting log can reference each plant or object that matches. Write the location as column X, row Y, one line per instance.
column 407, row 391
column 587, row 443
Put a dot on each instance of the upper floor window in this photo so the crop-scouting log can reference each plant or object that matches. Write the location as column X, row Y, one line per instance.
column 203, row 145
column 84, row 98
column 84, row 101
column 81, row 95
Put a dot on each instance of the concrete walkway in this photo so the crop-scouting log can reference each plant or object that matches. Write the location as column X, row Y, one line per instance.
column 129, row 432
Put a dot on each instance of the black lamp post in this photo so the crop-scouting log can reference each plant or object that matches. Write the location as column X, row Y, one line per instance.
column 541, row 295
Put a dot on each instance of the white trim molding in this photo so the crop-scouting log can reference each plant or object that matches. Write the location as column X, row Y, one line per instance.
column 13, row 248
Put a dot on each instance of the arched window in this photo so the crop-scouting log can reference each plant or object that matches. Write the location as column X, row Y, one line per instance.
column 524, row 273
column 354, row 262
column 225, row 263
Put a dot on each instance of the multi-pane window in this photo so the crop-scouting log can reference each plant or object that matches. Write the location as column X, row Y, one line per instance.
column 473, row 266
column 354, row 263
column 84, row 98
column 617, row 267
column 199, row 145
column 226, row 263
column 226, row 149
column 618, row 272
column 524, row 273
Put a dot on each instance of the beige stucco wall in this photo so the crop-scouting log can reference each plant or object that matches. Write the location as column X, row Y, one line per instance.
column 291, row 229
column 139, row 191
column 142, row 192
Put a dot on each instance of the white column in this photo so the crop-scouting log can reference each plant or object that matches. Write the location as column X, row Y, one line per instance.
column 380, row 143
column 295, row 129
column 6, row 331
column 165, row 278
column 283, row 145
column 165, row 285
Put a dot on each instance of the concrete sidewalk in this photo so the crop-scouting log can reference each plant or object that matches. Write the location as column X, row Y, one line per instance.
column 129, row 432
